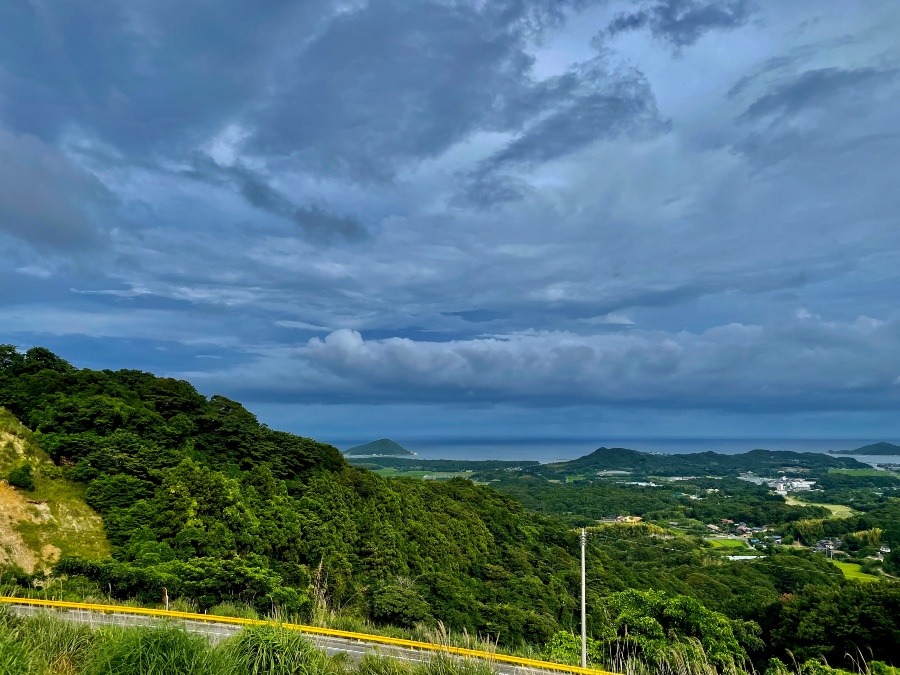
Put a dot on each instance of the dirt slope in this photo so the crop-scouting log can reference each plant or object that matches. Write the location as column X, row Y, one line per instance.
column 37, row 527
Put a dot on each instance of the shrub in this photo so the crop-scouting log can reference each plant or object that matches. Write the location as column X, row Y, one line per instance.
column 22, row 477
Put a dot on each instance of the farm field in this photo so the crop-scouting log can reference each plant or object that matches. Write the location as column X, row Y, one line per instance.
column 731, row 544
column 854, row 571
column 863, row 472
column 837, row 510
column 390, row 472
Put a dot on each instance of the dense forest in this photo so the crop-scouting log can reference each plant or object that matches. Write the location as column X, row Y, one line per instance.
column 199, row 497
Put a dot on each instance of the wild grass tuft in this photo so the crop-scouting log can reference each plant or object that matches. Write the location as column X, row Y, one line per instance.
column 57, row 647
column 15, row 658
column 162, row 650
column 239, row 610
column 268, row 650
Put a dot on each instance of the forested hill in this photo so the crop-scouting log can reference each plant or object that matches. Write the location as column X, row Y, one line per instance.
column 104, row 422
column 197, row 496
column 872, row 449
column 700, row 463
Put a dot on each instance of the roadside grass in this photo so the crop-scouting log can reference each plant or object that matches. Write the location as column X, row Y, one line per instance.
column 48, row 645
column 323, row 617
column 853, row 571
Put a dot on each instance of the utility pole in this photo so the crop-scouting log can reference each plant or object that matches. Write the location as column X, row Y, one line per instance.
column 583, row 603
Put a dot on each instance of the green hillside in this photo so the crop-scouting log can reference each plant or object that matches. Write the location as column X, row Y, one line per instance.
column 383, row 447
column 197, row 496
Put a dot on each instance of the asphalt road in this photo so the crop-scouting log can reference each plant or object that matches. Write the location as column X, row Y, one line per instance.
column 216, row 632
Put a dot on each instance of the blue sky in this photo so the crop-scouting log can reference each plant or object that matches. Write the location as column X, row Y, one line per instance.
column 446, row 217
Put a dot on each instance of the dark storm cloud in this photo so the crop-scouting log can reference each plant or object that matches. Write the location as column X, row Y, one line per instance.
column 817, row 112
column 396, row 81
column 683, row 22
column 816, row 88
column 602, row 105
column 315, row 221
column 45, row 198
column 588, row 104
column 647, row 233
column 141, row 75
column 490, row 190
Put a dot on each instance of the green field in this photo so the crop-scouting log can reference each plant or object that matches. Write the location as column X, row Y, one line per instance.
column 837, row 510
column 390, row 472
column 862, row 472
column 854, row 571
column 729, row 544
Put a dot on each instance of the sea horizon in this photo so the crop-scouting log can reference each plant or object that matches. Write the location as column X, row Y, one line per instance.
column 547, row 450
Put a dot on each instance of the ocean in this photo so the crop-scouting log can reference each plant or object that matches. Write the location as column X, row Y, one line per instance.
column 561, row 449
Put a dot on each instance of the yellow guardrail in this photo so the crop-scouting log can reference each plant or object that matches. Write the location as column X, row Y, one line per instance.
column 312, row 630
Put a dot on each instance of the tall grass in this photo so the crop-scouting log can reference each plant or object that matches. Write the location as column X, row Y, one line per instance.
column 162, row 650
column 48, row 645
column 684, row 657
column 57, row 647
column 15, row 659
column 440, row 664
column 268, row 650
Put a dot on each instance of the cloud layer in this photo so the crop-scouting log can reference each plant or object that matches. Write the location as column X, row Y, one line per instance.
column 642, row 206
column 799, row 364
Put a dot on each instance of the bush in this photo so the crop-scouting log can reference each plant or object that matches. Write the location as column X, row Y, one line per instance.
column 22, row 477
column 399, row 604
column 657, row 629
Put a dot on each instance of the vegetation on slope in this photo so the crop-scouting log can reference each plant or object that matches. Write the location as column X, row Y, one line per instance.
column 199, row 497
column 42, row 515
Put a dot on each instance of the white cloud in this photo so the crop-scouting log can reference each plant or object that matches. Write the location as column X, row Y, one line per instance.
column 795, row 364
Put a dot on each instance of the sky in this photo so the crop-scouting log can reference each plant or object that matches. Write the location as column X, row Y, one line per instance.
column 465, row 218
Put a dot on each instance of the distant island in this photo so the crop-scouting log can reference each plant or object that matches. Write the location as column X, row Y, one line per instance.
column 383, row 447
column 873, row 449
